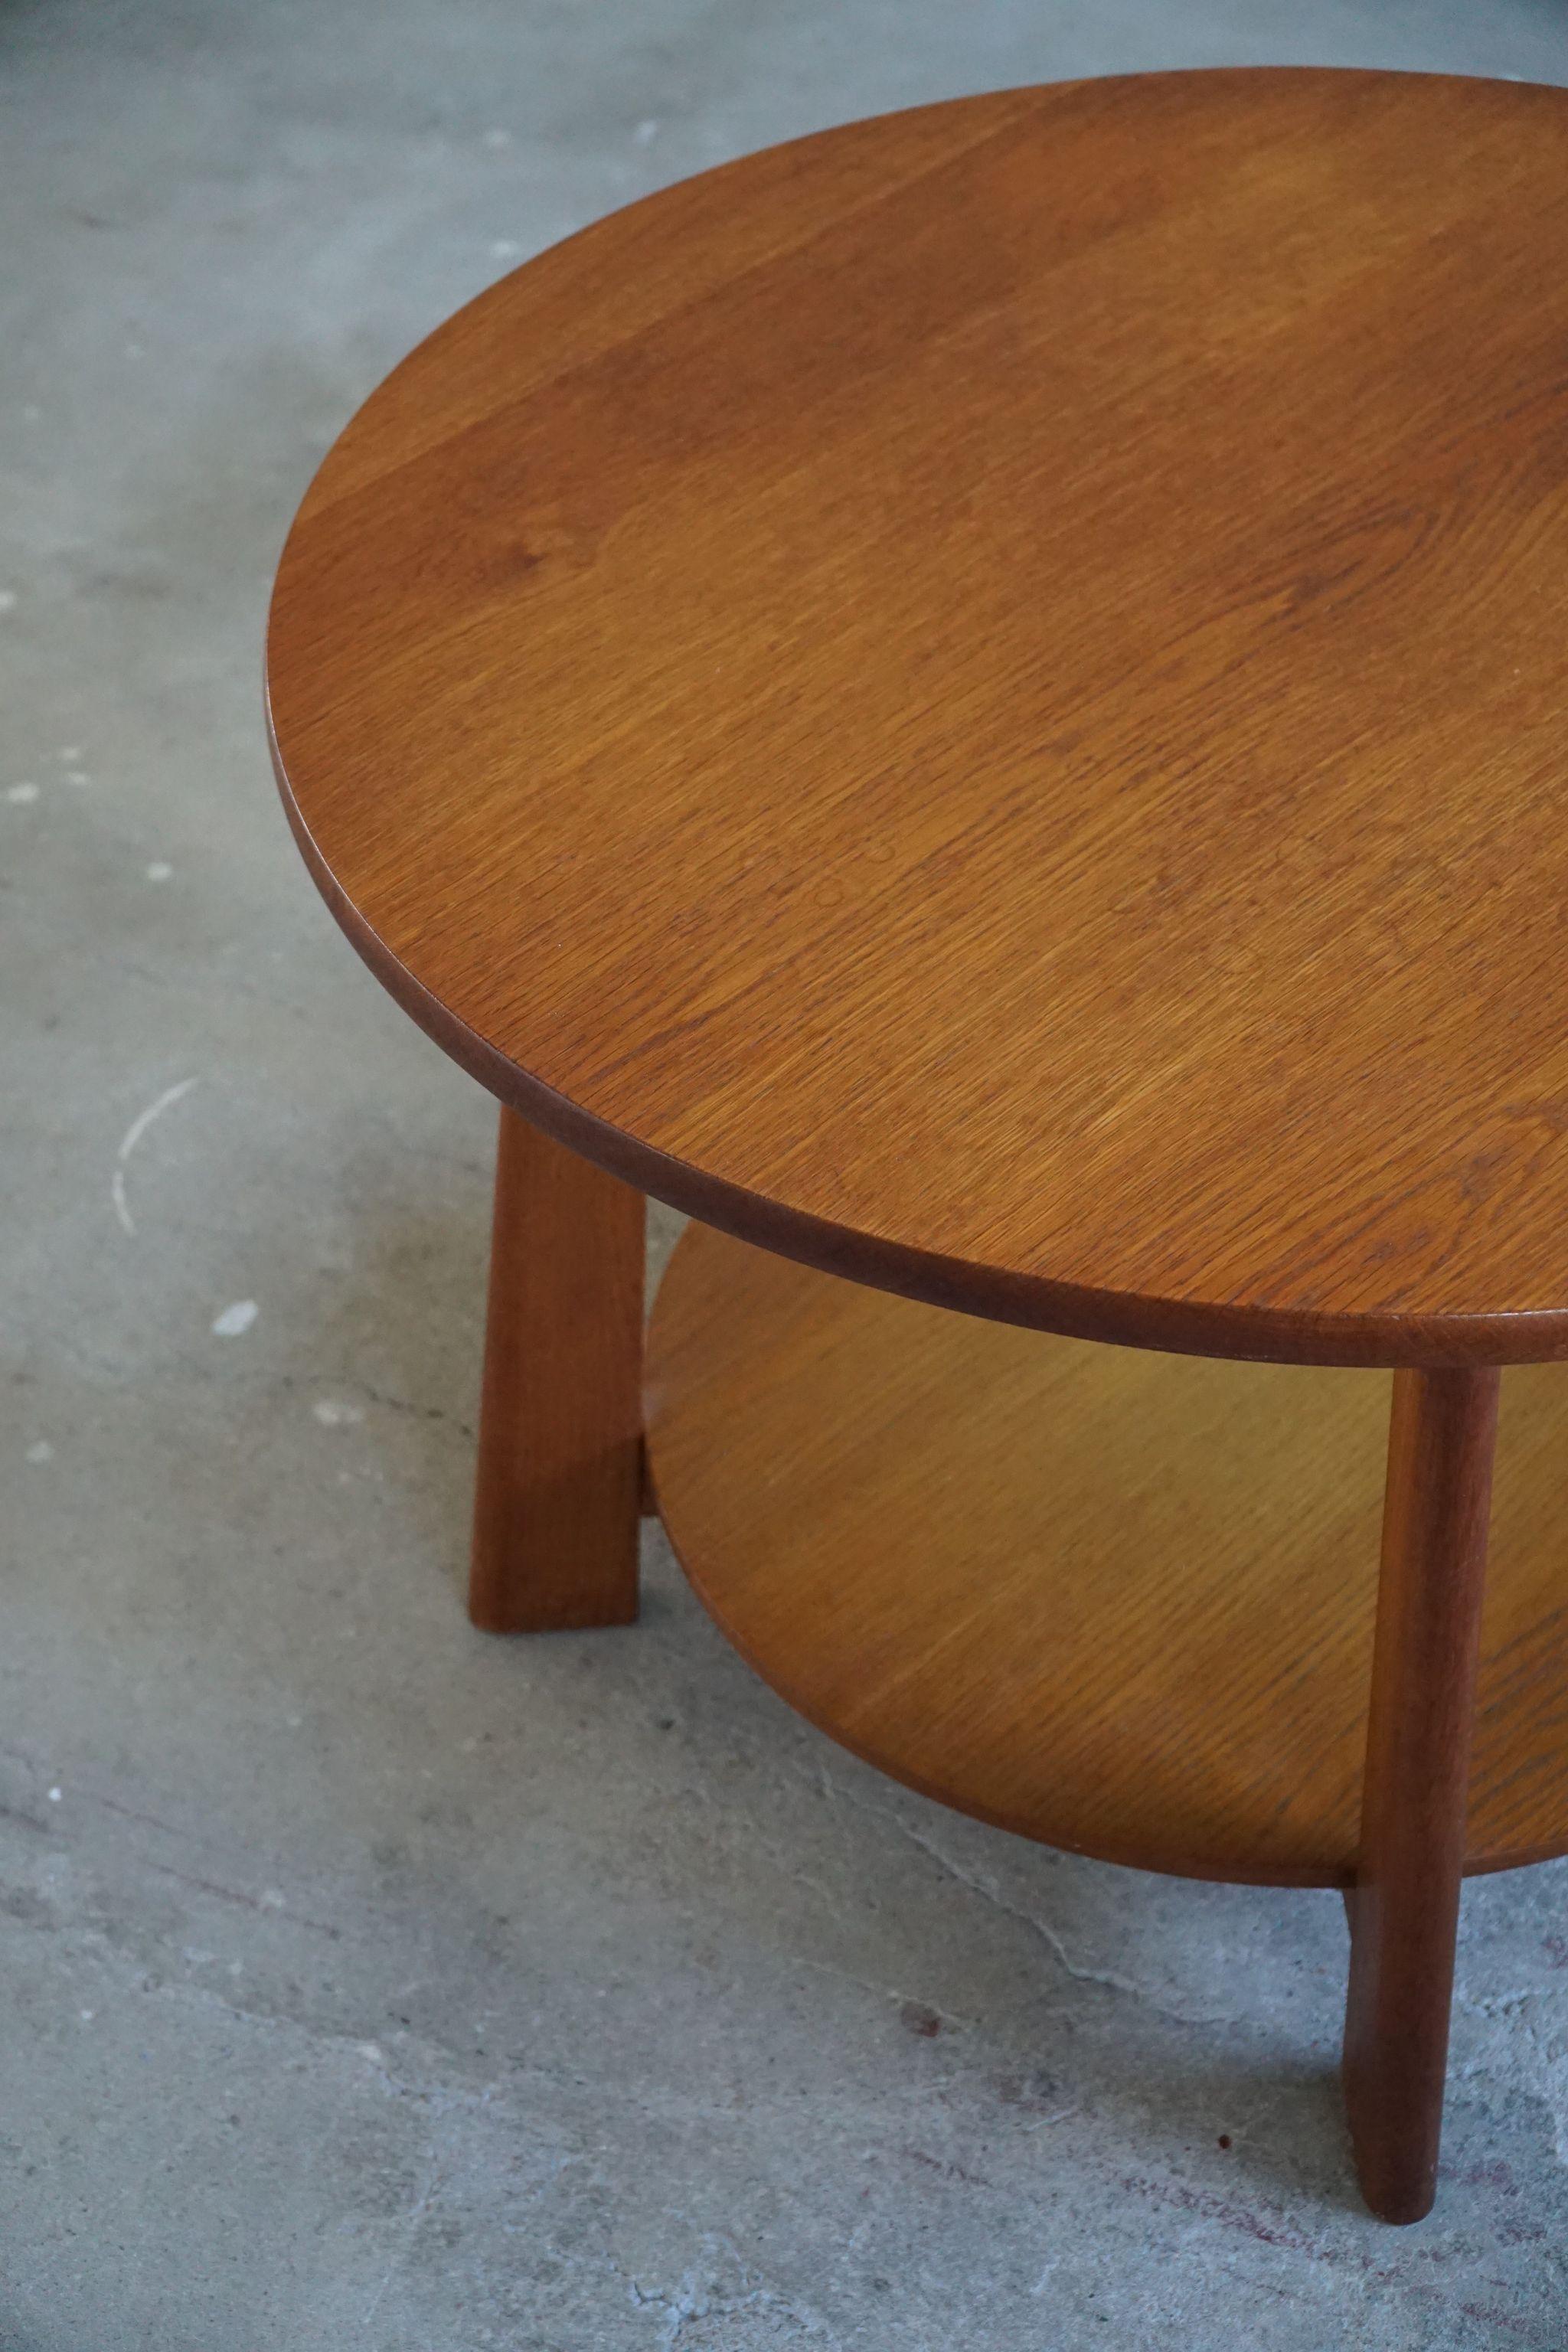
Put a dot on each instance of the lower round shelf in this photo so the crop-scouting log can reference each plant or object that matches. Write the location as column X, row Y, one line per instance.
column 1117, row 1601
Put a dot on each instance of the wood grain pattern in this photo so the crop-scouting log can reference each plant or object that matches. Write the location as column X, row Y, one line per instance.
column 559, row 1491
column 1117, row 1601
column 1405, row 1910
column 980, row 698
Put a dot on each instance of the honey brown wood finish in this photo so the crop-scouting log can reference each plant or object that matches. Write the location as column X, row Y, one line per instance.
column 1405, row 1910
column 559, row 1492
column 1117, row 1602
column 980, row 699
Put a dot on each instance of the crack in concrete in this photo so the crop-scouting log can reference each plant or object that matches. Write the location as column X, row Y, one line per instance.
column 881, row 1992
column 1111, row 1979
column 694, row 2298
column 83, row 1793
column 279, row 1909
column 407, row 2230
column 507, row 2099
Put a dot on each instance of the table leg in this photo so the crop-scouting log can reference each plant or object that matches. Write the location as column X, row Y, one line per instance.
column 560, row 1456
column 1405, row 1906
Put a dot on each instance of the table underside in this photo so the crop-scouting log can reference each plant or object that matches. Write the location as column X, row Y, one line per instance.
column 1119, row 1602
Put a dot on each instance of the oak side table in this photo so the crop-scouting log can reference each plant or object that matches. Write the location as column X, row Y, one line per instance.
column 980, row 702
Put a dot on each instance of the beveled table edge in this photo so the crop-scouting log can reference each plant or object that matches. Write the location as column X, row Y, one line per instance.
column 1036, row 1302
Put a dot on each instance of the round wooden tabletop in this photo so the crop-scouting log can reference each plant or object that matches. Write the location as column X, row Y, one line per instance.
column 979, row 699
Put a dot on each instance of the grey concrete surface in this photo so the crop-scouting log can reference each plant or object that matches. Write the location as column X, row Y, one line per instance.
column 365, row 1980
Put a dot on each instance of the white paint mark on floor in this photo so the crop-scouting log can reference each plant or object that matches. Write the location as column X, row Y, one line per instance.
column 646, row 131
column 20, row 794
column 333, row 1413
column 69, row 754
column 497, row 139
column 40, row 1450
column 54, row 1796
column 236, row 1320
column 7, row 600
column 131, row 1138
column 159, row 871
column 143, row 1119
column 78, row 776
column 504, row 248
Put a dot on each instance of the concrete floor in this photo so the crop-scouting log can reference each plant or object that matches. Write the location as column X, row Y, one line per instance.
column 368, row 1980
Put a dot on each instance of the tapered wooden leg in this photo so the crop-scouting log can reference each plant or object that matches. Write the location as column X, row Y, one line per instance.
column 1404, row 1908
column 560, row 1468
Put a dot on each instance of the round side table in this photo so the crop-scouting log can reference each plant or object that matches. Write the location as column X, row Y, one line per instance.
column 978, row 701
